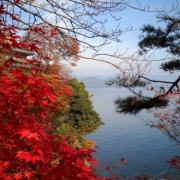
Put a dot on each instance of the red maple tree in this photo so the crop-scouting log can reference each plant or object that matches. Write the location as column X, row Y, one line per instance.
column 29, row 148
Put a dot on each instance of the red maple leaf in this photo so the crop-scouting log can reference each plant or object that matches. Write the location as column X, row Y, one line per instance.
column 175, row 162
column 28, row 157
column 24, row 133
column 28, row 174
column 17, row 176
column 6, row 164
column 24, row 155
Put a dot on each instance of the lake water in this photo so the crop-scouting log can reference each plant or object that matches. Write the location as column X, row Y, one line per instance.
column 144, row 148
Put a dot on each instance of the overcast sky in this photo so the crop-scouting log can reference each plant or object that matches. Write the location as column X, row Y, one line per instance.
column 129, row 40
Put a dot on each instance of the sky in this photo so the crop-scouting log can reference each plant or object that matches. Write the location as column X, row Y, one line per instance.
column 129, row 41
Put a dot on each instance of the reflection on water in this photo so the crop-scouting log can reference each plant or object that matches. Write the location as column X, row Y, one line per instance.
column 128, row 136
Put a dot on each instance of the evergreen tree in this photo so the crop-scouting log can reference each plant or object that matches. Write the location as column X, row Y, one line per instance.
column 167, row 38
column 78, row 118
column 81, row 114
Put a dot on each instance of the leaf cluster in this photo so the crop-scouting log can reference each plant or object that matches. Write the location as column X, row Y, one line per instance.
column 133, row 104
column 168, row 38
column 124, row 82
column 171, row 66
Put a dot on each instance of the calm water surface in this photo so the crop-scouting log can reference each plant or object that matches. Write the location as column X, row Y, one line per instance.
column 145, row 149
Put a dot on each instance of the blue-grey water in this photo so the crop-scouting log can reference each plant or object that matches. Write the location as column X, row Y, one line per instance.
column 145, row 149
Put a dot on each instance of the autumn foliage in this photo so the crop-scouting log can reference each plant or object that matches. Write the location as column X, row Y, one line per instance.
column 28, row 147
column 52, row 43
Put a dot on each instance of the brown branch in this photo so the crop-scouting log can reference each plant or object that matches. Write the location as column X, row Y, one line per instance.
column 168, row 82
column 174, row 84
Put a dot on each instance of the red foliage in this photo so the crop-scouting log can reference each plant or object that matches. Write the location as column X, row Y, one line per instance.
column 29, row 149
column 175, row 162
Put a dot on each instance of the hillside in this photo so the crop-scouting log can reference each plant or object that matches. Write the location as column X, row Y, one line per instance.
column 92, row 82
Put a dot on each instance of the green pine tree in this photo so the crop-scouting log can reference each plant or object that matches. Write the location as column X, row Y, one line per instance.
column 152, row 37
column 81, row 114
column 80, row 117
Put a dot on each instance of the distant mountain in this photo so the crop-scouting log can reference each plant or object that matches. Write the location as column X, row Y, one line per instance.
column 92, row 82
